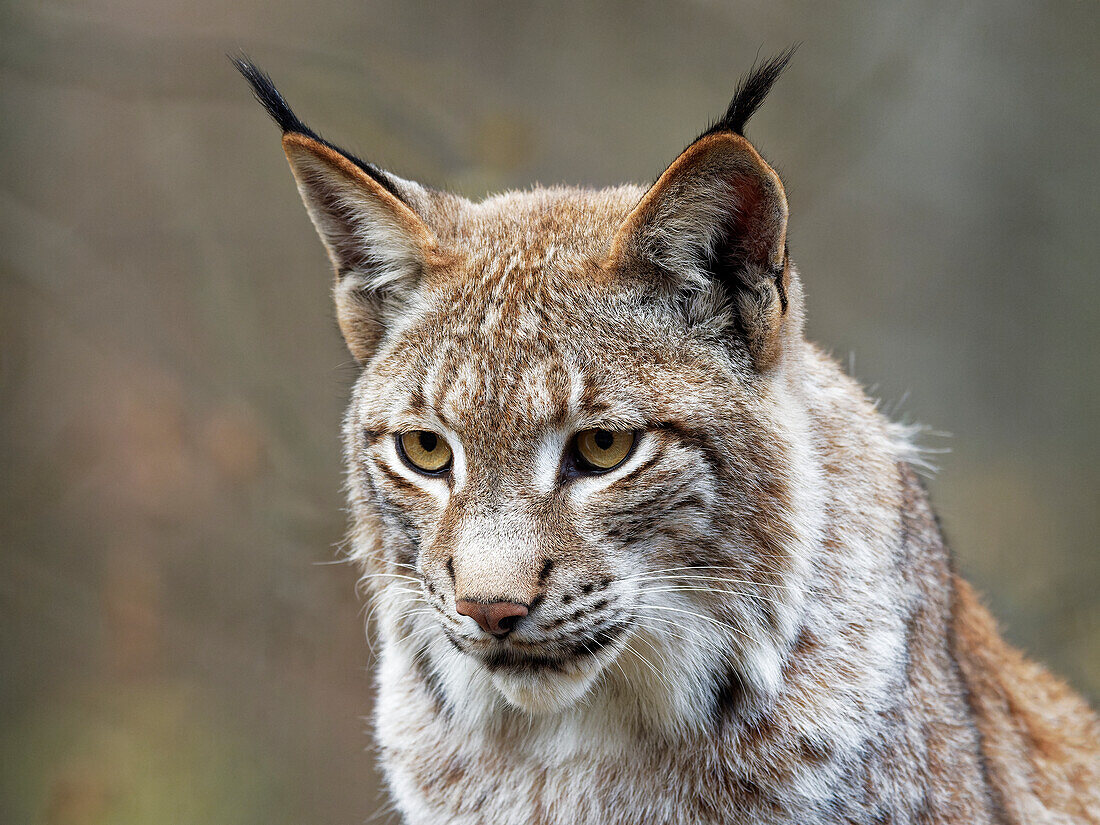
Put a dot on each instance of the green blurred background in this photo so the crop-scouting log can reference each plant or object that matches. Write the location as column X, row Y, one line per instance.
column 177, row 644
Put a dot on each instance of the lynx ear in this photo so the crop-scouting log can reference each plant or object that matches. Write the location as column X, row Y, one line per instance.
column 379, row 246
column 715, row 226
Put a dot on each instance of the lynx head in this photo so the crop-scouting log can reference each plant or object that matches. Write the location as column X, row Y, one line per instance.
column 574, row 465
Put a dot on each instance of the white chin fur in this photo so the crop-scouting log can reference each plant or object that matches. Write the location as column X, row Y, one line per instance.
column 545, row 691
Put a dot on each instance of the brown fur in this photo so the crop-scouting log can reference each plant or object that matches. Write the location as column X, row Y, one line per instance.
column 1040, row 739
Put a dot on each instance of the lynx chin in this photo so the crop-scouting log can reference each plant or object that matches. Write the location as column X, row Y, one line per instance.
column 637, row 551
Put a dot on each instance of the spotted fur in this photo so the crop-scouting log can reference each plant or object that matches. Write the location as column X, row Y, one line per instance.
column 752, row 619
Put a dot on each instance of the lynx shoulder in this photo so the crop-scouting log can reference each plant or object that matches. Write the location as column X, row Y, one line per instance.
column 639, row 552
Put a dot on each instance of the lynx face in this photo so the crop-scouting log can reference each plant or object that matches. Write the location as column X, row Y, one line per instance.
column 586, row 448
column 573, row 462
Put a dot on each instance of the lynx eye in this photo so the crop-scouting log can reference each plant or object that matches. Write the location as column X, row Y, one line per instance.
column 598, row 451
column 424, row 451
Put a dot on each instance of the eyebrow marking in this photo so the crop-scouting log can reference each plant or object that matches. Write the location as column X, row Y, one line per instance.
column 577, row 388
column 418, row 401
column 547, row 464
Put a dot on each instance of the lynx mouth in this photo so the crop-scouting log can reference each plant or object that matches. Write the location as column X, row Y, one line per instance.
column 548, row 676
column 565, row 657
column 549, row 679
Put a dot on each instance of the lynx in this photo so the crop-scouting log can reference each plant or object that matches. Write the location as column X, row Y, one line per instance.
column 638, row 552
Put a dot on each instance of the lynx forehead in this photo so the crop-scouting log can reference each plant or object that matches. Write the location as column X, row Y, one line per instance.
column 637, row 551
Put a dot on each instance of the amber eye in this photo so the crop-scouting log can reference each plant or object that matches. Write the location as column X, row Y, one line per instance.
column 424, row 451
column 602, row 450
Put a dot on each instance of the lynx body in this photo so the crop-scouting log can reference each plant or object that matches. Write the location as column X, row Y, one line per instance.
column 638, row 552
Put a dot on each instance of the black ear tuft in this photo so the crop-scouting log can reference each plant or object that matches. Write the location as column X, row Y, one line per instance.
column 269, row 97
column 265, row 92
column 751, row 91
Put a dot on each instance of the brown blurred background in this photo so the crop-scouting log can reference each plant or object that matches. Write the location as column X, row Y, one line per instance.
column 177, row 644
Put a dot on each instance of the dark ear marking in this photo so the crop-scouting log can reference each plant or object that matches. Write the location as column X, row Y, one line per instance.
column 263, row 89
column 780, row 274
column 750, row 93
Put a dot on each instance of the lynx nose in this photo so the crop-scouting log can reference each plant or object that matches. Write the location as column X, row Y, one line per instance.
column 498, row 618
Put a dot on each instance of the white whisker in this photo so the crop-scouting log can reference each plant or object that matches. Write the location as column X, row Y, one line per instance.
column 716, row 592
column 711, row 619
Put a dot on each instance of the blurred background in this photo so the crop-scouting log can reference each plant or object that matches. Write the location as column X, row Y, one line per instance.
column 178, row 643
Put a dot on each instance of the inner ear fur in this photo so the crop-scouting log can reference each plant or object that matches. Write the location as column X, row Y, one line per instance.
column 716, row 219
column 379, row 247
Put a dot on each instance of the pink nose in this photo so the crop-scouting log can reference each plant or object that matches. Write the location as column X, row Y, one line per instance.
column 498, row 618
